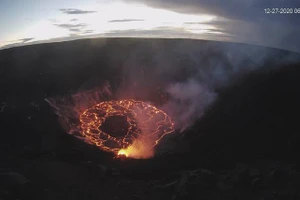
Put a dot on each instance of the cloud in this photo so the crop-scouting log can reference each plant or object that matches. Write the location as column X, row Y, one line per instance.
column 16, row 43
column 73, row 20
column 74, row 28
column 74, row 11
column 68, row 26
column 171, row 32
column 232, row 9
column 246, row 20
column 23, row 40
column 11, row 45
column 88, row 31
column 77, row 31
column 73, row 35
column 125, row 20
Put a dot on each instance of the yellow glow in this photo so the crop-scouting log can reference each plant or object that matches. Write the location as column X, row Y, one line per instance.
column 122, row 152
column 138, row 150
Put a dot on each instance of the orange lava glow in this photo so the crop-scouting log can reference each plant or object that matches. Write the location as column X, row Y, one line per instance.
column 147, row 125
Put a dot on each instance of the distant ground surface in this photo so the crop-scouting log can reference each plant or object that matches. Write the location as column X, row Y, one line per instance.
column 244, row 147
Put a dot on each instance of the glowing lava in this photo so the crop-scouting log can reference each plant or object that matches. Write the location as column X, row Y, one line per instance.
column 147, row 125
column 123, row 152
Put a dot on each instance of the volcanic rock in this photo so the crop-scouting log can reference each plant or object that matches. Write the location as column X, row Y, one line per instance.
column 13, row 178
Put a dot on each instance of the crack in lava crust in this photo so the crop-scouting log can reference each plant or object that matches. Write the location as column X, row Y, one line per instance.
column 147, row 126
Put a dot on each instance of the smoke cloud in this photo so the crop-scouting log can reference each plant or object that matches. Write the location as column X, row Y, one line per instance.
column 180, row 77
column 188, row 102
column 69, row 107
column 192, row 74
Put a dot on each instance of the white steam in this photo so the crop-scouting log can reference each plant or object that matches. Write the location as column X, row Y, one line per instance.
column 189, row 101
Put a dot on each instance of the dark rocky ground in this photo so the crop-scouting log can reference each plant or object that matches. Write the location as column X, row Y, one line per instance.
column 245, row 147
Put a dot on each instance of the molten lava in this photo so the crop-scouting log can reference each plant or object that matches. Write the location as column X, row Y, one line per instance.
column 146, row 126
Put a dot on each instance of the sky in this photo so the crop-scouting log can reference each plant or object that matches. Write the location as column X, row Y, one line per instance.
column 25, row 22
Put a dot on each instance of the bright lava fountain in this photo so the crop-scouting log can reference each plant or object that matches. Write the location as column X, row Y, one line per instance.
column 146, row 126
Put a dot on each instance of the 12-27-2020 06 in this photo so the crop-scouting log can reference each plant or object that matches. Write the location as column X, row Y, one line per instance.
column 282, row 10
